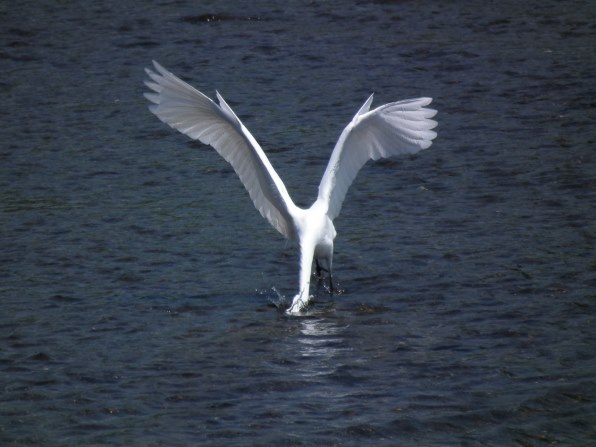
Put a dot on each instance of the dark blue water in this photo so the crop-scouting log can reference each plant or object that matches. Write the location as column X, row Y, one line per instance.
column 136, row 278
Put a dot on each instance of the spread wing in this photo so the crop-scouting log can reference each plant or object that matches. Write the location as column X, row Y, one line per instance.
column 402, row 127
column 191, row 112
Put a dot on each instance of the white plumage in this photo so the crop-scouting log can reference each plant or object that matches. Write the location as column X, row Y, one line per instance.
column 403, row 127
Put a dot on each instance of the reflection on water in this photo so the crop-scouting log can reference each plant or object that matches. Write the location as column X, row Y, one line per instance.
column 320, row 341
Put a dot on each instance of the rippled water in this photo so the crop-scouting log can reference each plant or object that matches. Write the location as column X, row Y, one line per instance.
column 136, row 279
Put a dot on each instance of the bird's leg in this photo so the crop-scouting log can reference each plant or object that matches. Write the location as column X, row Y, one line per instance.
column 319, row 268
column 329, row 260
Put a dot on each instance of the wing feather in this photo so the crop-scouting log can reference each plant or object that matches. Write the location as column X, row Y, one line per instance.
column 403, row 127
column 191, row 112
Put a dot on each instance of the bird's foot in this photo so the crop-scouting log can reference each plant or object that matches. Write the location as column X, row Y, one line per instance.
column 298, row 305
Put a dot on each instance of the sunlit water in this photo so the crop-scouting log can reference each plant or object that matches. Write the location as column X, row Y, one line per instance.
column 137, row 282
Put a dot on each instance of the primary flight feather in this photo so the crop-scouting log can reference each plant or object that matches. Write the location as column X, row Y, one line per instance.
column 403, row 127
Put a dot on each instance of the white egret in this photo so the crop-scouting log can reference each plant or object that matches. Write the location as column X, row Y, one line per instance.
column 402, row 127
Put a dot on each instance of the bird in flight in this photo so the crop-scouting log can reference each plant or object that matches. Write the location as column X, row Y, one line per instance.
column 402, row 127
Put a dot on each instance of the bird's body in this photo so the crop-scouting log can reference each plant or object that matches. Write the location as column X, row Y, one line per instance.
column 392, row 129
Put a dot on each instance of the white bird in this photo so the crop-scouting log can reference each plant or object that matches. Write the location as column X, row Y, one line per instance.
column 402, row 127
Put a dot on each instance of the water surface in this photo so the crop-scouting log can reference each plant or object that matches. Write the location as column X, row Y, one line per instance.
column 136, row 278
